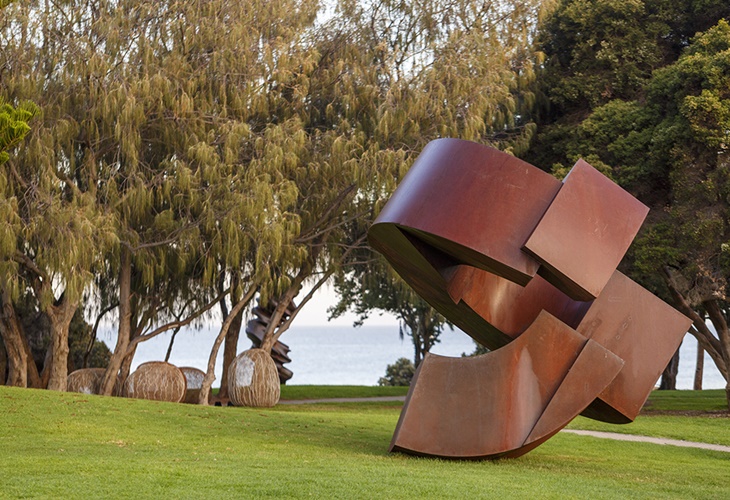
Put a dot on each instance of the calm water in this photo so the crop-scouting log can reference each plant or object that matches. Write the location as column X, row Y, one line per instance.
column 335, row 355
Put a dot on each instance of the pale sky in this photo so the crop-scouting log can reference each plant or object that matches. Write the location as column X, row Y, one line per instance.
column 314, row 312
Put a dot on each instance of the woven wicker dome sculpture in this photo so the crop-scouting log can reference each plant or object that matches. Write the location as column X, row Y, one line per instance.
column 253, row 379
column 158, row 381
column 88, row 381
column 194, row 378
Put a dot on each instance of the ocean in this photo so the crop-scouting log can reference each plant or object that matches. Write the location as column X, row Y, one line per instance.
column 344, row 355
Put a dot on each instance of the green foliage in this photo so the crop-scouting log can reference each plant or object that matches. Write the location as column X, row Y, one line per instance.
column 79, row 338
column 597, row 52
column 371, row 285
column 669, row 150
column 13, row 125
column 478, row 350
column 660, row 130
column 601, row 50
column 399, row 373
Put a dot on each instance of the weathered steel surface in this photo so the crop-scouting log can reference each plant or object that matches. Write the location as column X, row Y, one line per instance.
column 525, row 265
column 644, row 331
column 585, row 232
column 476, row 204
column 453, row 409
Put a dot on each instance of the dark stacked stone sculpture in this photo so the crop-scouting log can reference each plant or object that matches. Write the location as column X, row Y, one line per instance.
column 526, row 265
column 255, row 330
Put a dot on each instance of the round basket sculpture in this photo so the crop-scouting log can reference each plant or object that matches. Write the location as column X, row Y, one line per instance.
column 158, row 381
column 253, row 379
column 194, row 379
column 88, row 381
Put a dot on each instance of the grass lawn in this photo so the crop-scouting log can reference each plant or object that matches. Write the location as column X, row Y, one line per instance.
column 72, row 445
column 338, row 391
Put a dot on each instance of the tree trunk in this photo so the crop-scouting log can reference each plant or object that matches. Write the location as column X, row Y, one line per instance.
column 60, row 316
column 714, row 311
column 126, row 367
column 172, row 342
column 699, row 368
column 276, row 326
column 417, row 346
column 124, row 330
column 669, row 375
column 699, row 329
column 3, row 362
column 45, row 375
column 210, row 372
column 17, row 355
column 230, row 351
column 273, row 329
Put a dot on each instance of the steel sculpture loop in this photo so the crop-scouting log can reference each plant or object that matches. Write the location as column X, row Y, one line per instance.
column 526, row 265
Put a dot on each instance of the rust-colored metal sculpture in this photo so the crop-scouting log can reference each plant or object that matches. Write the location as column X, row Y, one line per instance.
column 526, row 265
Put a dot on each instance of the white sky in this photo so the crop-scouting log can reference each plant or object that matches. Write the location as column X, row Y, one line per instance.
column 314, row 313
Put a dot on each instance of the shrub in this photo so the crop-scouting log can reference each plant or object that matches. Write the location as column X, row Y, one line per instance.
column 399, row 373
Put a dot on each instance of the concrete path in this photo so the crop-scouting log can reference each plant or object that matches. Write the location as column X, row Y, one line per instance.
column 647, row 439
column 603, row 435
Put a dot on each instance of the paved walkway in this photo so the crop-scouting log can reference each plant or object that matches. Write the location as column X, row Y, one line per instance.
column 603, row 435
column 647, row 439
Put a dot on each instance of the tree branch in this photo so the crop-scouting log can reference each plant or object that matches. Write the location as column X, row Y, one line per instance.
column 174, row 324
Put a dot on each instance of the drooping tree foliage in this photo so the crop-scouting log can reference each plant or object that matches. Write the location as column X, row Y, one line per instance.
column 159, row 151
column 190, row 154
column 444, row 69
column 15, row 356
column 652, row 114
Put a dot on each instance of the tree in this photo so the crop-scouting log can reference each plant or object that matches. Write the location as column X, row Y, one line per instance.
column 372, row 285
column 13, row 128
column 162, row 119
column 187, row 143
column 597, row 52
column 669, row 148
column 399, row 373
column 14, row 351
column 442, row 68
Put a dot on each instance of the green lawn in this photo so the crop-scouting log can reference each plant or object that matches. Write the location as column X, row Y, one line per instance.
column 72, row 445
column 659, row 421
column 710, row 400
column 338, row 391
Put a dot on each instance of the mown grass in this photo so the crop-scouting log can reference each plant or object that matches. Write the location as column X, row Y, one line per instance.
column 60, row 445
column 709, row 400
column 658, row 419
column 338, row 391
